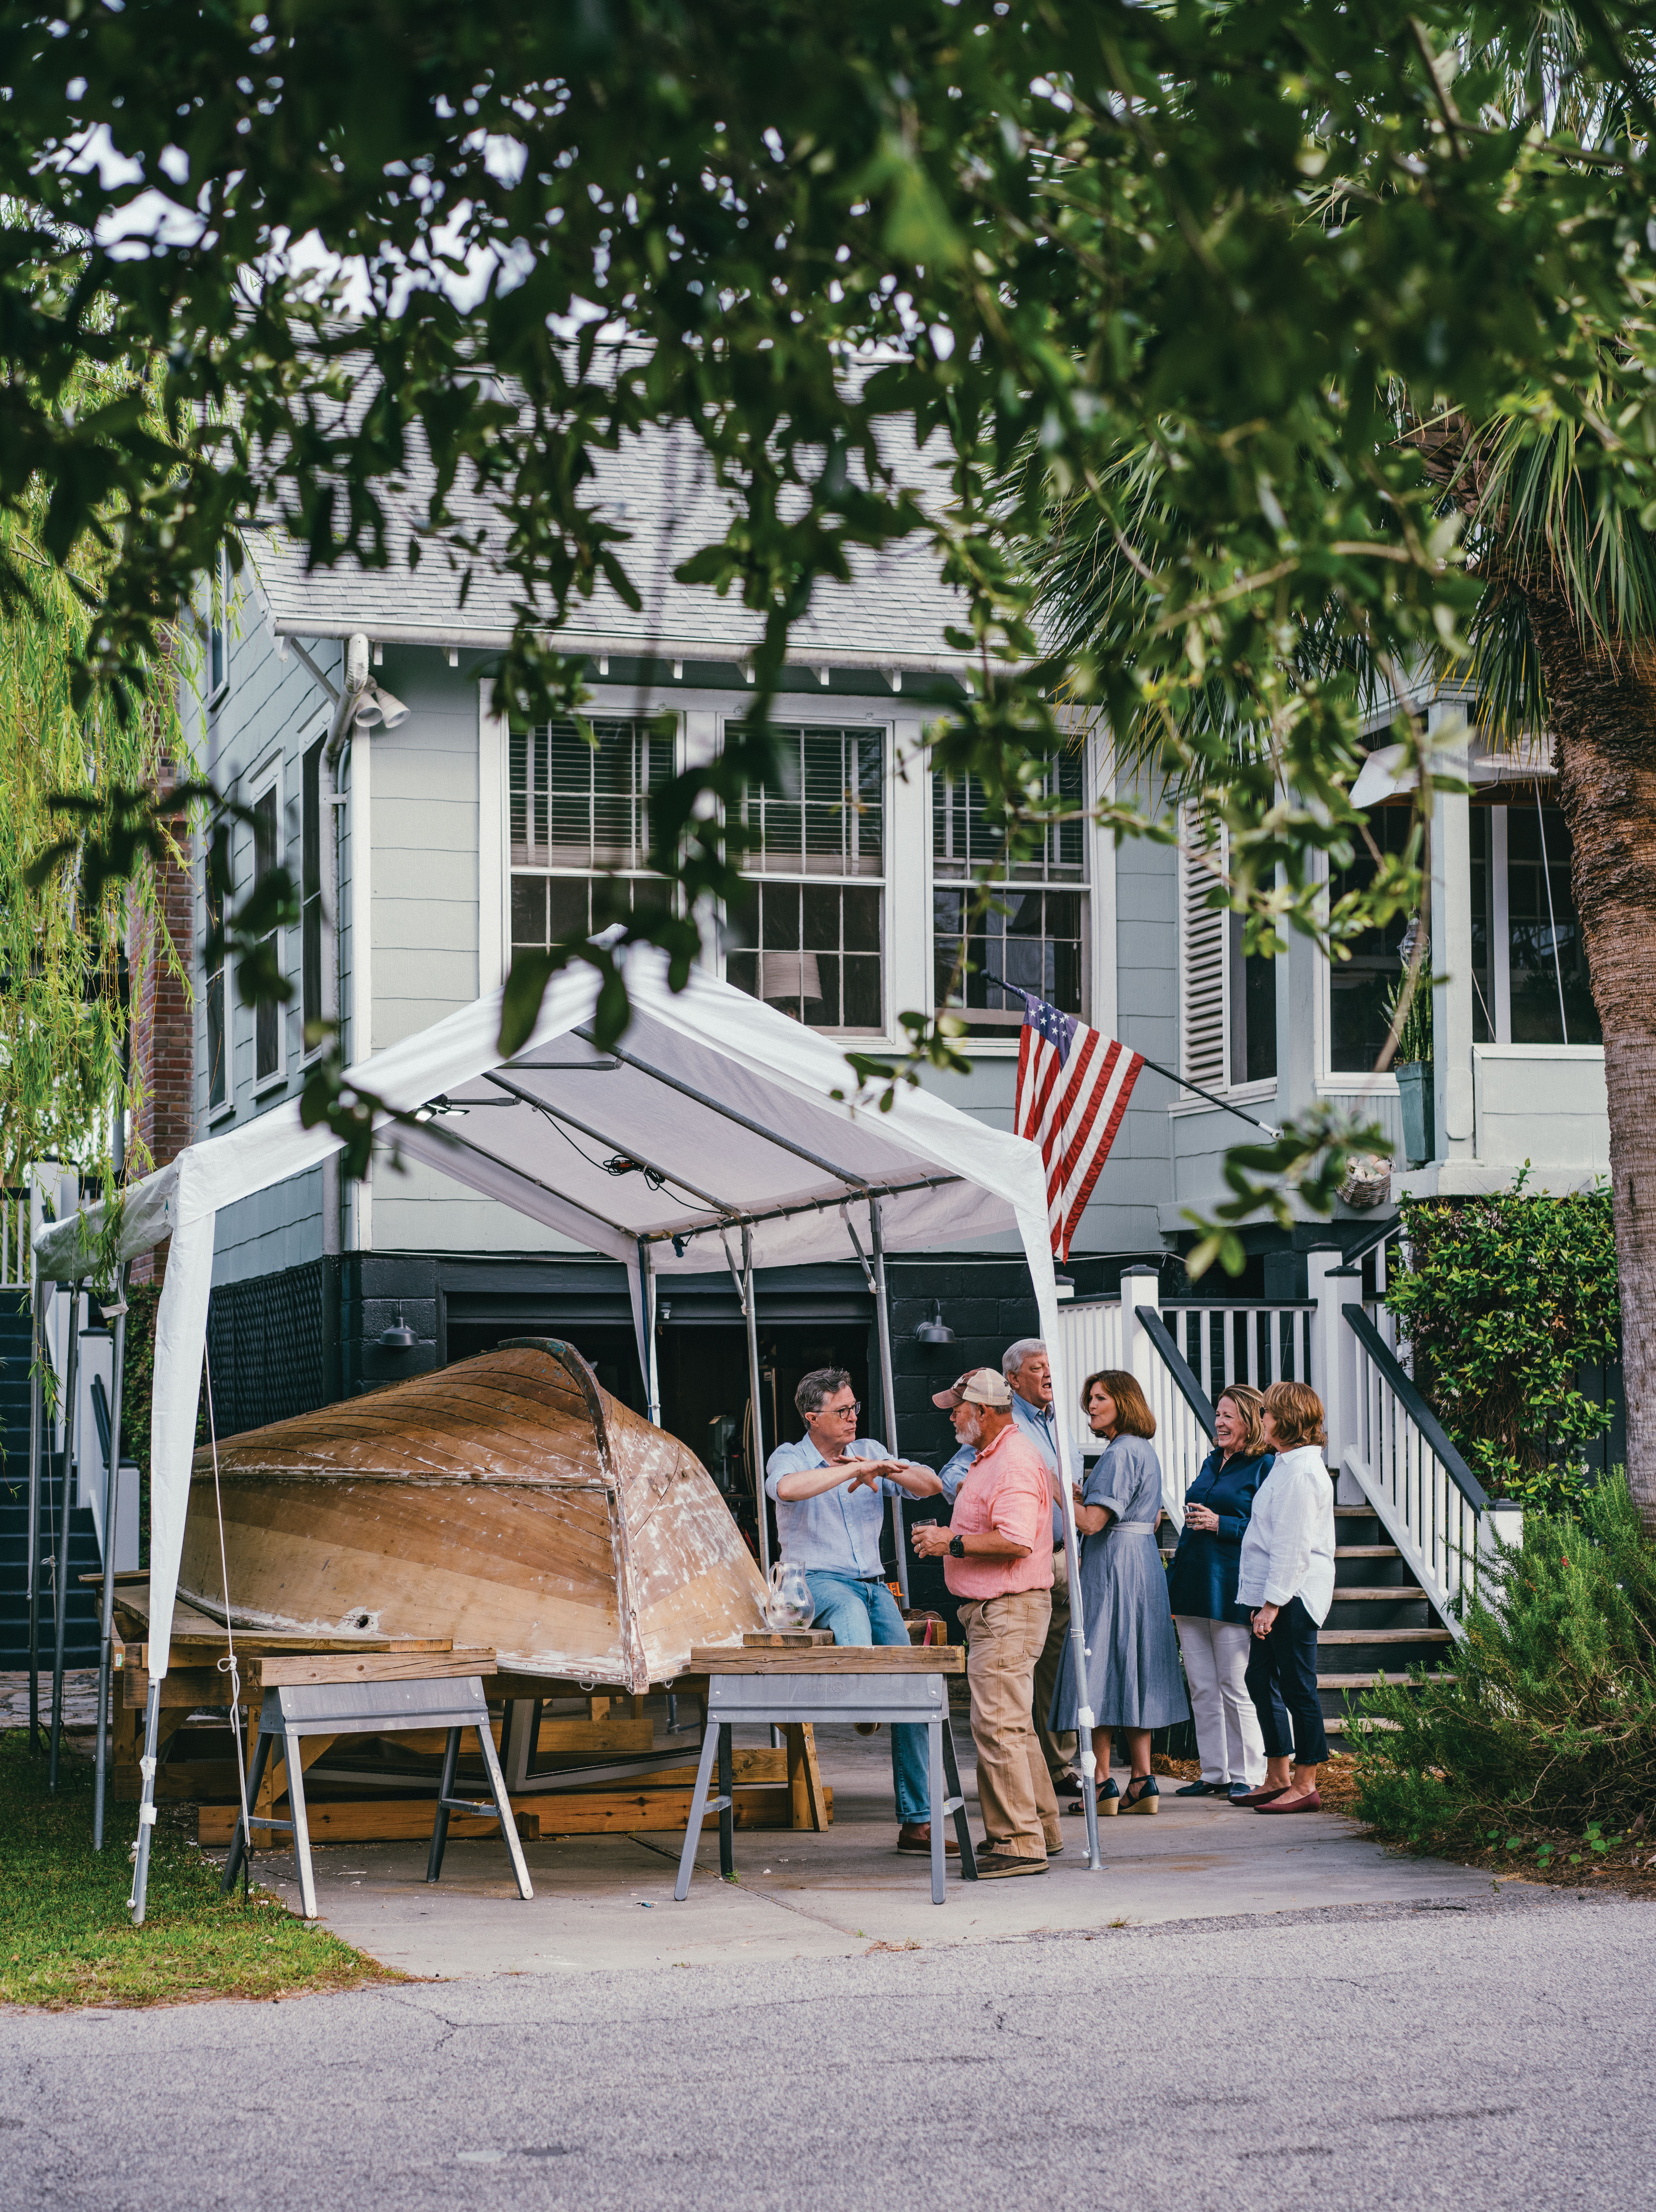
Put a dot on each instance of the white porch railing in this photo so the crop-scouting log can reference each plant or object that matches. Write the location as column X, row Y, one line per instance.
column 1429, row 1502
column 1257, row 1344
column 1385, row 1445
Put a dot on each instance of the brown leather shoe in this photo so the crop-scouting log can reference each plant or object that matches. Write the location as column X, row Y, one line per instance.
column 993, row 1865
column 916, row 1836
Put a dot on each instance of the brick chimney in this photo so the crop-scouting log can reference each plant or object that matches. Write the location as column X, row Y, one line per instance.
column 163, row 1025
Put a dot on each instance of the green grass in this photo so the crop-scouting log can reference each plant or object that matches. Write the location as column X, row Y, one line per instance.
column 66, row 1938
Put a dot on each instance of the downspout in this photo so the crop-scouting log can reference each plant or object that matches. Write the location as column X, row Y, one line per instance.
column 356, row 677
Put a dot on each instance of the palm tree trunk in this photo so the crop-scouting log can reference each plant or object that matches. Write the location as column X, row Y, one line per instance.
column 1602, row 710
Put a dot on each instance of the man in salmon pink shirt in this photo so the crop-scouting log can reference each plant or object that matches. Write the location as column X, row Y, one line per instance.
column 998, row 1560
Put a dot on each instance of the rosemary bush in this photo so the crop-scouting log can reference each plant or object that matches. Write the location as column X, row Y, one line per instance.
column 1505, row 1300
column 1550, row 1720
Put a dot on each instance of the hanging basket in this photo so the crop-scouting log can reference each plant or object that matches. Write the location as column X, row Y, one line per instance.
column 1368, row 1182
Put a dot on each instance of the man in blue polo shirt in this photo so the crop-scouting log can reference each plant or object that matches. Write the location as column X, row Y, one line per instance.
column 830, row 1490
column 1027, row 1369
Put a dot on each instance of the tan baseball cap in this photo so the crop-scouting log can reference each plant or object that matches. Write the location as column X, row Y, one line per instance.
column 978, row 1386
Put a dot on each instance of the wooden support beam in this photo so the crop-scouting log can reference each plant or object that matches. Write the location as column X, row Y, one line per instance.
column 807, row 1796
column 578, row 1813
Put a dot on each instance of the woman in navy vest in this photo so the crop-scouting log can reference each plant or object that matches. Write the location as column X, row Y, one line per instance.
column 1213, row 1628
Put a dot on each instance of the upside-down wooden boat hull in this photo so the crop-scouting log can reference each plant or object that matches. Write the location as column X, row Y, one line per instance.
column 507, row 1501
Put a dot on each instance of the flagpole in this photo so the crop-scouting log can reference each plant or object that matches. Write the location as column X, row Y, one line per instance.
column 1183, row 1081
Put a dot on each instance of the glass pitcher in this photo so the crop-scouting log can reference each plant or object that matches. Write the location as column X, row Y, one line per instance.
column 789, row 1604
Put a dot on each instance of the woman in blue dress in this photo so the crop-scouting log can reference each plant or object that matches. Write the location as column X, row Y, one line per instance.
column 1133, row 1678
column 1213, row 1628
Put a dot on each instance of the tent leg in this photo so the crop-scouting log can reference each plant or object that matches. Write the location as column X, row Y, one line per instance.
column 147, row 1801
column 71, row 1391
column 887, row 1387
column 44, row 1292
column 107, row 1627
column 749, row 1301
column 651, row 1361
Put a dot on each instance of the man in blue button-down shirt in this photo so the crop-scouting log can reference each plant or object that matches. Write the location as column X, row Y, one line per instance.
column 1027, row 1369
column 830, row 1490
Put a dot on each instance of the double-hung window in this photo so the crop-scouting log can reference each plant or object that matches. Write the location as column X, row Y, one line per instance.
column 581, row 826
column 809, row 936
column 1031, row 932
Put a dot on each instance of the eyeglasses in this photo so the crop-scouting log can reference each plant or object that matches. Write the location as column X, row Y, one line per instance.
column 840, row 1412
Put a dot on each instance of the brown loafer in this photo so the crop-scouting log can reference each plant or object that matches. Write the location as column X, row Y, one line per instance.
column 1257, row 1799
column 993, row 1866
column 1311, row 1803
column 916, row 1836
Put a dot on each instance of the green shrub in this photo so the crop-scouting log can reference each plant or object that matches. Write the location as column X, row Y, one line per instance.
column 1504, row 1300
column 1550, row 1721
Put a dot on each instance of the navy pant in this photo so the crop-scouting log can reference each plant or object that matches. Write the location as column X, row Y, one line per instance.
column 1282, row 1680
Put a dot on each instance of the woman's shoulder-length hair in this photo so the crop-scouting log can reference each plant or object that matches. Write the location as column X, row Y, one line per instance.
column 1133, row 1416
column 1250, row 1407
column 1296, row 1415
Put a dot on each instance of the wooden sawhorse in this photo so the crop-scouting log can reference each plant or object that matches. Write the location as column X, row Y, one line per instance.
column 292, row 1712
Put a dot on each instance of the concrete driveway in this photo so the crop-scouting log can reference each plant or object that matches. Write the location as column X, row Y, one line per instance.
column 605, row 1904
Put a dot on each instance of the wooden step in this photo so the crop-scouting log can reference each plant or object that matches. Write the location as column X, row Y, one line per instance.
column 1384, row 1635
column 1367, row 1681
column 1372, row 1593
column 1366, row 1551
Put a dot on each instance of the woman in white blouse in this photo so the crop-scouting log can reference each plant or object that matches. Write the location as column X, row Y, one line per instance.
column 1286, row 1579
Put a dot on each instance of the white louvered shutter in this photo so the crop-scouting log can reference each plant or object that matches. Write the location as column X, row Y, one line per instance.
column 1204, row 968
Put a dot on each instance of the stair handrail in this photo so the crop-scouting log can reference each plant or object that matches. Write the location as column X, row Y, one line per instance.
column 1179, row 1367
column 1415, row 1406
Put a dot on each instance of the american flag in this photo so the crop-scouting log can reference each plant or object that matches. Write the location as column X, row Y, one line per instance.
column 1073, row 1088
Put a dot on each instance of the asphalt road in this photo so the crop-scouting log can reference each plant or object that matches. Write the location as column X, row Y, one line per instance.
column 1489, row 2055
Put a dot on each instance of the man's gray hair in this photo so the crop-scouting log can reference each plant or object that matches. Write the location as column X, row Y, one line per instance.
column 1014, row 1354
column 816, row 1388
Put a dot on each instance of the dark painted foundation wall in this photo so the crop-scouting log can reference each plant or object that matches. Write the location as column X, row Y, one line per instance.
column 282, row 1344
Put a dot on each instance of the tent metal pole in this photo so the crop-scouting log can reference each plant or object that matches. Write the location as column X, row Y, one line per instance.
column 729, row 1113
column 112, row 1499
column 791, row 1212
column 601, row 1137
column 147, row 1801
column 71, row 1392
column 1067, row 1476
column 652, row 1364
column 44, row 1293
column 887, row 1387
column 751, row 1303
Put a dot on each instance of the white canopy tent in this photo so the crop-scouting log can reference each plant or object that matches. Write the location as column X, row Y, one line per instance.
column 719, row 1131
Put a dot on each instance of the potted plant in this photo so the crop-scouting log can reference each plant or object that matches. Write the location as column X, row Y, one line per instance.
column 1412, row 1066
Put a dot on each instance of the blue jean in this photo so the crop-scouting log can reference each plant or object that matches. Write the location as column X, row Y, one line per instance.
column 866, row 1613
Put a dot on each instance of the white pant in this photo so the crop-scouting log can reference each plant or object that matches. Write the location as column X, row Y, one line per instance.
column 1227, row 1727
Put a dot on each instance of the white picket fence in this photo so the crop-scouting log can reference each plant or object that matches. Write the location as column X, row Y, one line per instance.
column 1384, row 1447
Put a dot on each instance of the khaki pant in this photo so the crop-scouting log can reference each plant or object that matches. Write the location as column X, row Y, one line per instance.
column 1003, row 1638
column 1057, row 1750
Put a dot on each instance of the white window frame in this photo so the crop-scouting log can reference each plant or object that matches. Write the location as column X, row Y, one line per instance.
column 1099, row 983
column 268, row 781
column 502, row 843
column 783, row 715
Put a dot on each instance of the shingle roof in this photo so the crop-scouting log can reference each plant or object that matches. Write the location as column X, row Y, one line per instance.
column 660, row 489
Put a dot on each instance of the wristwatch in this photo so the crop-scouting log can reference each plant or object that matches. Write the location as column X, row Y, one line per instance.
column 957, row 1547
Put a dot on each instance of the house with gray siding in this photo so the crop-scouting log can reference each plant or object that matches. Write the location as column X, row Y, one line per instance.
column 440, row 835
